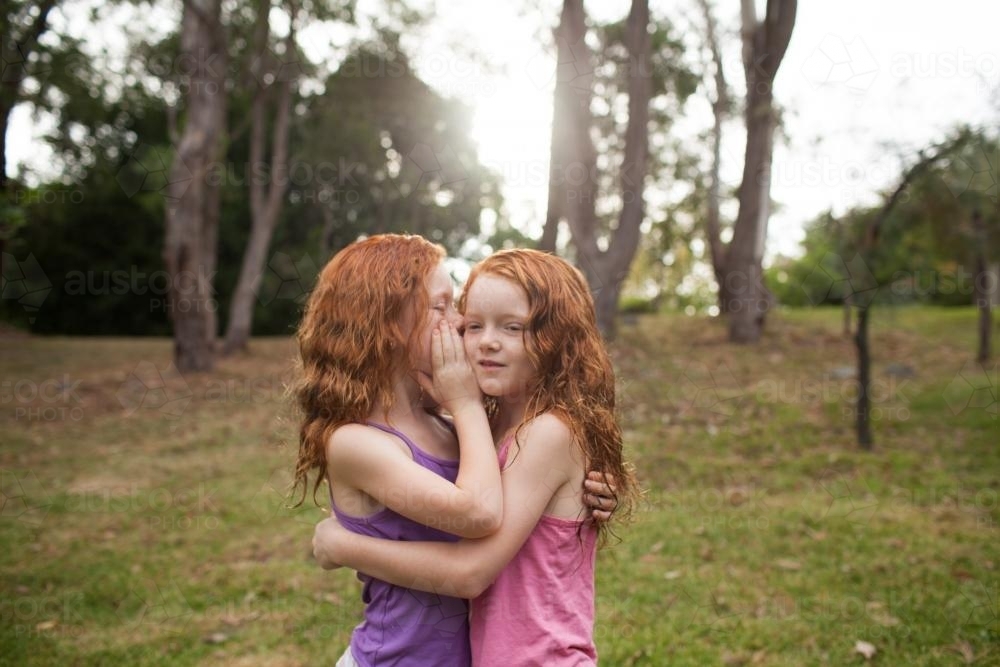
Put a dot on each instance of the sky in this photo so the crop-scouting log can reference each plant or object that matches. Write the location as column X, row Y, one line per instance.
column 862, row 86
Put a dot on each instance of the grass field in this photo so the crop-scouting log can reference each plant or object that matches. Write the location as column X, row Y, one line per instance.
column 144, row 520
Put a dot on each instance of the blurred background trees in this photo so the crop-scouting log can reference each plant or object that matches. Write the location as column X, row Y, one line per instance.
column 305, row 155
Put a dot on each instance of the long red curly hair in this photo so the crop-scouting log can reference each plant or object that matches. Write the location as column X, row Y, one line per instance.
column 575, row 378
column 352, row 340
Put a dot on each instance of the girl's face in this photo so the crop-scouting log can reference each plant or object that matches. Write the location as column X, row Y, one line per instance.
column 441, row 299
column 496, row 324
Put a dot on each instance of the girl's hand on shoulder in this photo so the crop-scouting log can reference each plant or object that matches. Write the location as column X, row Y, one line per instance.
column 600, row 495
column 453, row 382
column 328, row 537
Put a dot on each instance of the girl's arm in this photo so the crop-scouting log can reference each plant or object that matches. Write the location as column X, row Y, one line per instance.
column 543, row 466
column 375, row 463
column 453, row 385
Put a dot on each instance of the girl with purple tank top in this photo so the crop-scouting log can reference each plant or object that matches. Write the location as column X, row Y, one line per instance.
column 530, row 331
column 377, row 336
column 379, row 321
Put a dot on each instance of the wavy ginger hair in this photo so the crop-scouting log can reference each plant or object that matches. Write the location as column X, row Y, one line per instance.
column 352, row 339
column 575, row 378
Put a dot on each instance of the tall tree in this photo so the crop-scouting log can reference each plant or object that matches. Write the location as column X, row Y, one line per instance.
column 606, row 269
column 266, row 195
column 873, row 230
column 192, row 215
column 571, row 96
column 23, row 23
column 720, row 111
column 743, row 294
column 985, row 288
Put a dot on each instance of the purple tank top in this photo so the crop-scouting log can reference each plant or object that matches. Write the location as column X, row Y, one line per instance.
column 404, row 627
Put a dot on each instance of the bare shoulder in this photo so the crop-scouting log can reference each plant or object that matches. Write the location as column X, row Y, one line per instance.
column 352, row 442
column 548, row 426
column 547, row 435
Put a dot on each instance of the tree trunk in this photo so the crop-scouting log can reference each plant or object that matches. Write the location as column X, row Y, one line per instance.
column 570, row 96
column 720, row 107
column 985, row 287
column 847, row 316
column 865, row 300
column 863, row 405
column 6, row 107
column 577, row 174
column 764, row 46
column 266, row 198
column 192, row 208
column 605, row 270
column 625, row 240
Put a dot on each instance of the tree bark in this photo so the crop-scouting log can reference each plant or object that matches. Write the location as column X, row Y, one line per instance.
column 984, row 289
column 720, row 109
column 266, row 196
column 863, row 405
column 6, row 106
column 764, row 45
column 605, row 270
column 571, row 96
column 192, row 208
column 625, row 240
column 847, row 316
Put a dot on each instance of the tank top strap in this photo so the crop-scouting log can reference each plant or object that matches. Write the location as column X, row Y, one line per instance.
column 504, row 450
column 419, row 455
column 391, row 431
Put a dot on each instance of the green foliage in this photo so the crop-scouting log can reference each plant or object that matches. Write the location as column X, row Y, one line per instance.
column 637, row 305
column 398, row 156
column 927, row 247
column 375, row 150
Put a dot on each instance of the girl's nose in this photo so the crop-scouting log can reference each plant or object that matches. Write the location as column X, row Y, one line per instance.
column 489, row 341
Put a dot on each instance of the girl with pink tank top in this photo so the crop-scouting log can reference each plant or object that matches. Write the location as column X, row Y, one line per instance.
column 380, row 352
column 530, row 332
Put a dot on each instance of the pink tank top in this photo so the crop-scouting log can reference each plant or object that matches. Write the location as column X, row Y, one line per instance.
column 540, row 610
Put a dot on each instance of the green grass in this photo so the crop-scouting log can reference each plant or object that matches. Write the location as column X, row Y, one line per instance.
column 766, row 538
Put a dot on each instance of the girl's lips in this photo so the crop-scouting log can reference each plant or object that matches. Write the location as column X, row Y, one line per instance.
column 490, row 364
